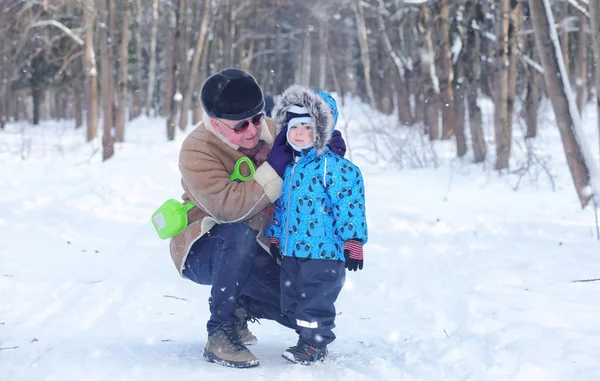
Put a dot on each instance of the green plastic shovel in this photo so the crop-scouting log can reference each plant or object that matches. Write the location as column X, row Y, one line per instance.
column 171, row 218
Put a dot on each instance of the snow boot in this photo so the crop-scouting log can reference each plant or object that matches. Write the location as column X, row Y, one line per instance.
column 304, row 354
column 224, row 347
column 243, row 331
column 242, row 326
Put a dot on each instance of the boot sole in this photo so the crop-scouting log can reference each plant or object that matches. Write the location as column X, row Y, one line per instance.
column 211, row 357
column 293, row 360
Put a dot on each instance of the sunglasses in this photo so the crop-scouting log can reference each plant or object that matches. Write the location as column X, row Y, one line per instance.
column 242, row 126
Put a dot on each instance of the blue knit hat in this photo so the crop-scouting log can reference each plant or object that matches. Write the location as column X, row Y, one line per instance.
column 297, row 114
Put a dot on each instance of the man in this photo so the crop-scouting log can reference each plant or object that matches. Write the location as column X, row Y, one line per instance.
column 223, row 244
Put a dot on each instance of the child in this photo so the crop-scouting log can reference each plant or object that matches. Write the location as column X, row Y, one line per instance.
column 319, row 225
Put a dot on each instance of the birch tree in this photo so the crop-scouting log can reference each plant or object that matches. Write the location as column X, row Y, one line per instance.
column 123, row 74
column 581, row 164
column 91, row 71
column 595, row 24
column 502, row 126
column 193, row 71
column 152, row 69
column 107, row 78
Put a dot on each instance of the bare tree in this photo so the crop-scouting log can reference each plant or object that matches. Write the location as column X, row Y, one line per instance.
column 446, row 74
column 502, row 125
column 595, row 24
column 152, row 69
column 91, row 71
column 106, row 58
column 136, row 108
column 460, row 85
column 563, row 102
column 431, row 85
column 123, row 74
column 198, row 52
column 176, row 97
column 363, row 44
column 582, row 62
column 474, row 14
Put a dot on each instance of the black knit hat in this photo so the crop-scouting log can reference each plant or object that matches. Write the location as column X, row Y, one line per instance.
column 231, row 94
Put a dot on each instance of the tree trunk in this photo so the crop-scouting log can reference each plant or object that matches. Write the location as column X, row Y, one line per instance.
column 175, row 97
column 348, row 82
column 123, row 72
column 323, row 41
column 595, row 24
column 459, row 104
column 306, row 60
column 431, row 86
column 501, row 118
column 532, row 101
column 565, row 33
column 91, row 73
column 363, row 43
column 511, row 94
column 581, row 63
column 196, row 109
column 78, row 105
column 473, row 78
column 446, row 75
column 559, row 90
column 193, row 72
column 107, row 80
column 152, row 68
column 36, row 99
column 3, row 81
column 136, row 108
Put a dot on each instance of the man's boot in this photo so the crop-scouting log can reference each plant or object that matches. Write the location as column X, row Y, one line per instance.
column 225, row 348
column 246, row 335
column 243, row 331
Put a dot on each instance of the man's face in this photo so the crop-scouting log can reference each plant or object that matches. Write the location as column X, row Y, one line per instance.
column 244, row 133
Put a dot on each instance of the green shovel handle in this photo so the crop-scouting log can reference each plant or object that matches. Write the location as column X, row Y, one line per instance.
column 237, row 175
column 188, row 206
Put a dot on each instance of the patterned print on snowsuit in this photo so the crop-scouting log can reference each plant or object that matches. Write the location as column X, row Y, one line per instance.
column 322, row 203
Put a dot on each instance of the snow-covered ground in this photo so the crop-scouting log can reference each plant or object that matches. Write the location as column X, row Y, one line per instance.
column 464, row 278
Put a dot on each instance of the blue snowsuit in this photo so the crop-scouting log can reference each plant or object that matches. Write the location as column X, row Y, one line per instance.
column 321, row 207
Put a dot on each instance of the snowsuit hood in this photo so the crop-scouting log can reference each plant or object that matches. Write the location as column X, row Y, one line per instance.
column 318, row 109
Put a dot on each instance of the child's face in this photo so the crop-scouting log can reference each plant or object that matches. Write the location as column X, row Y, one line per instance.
column 301, row 134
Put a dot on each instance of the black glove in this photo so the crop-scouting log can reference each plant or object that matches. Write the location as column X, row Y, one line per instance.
column 274, row 249
column 353, row 252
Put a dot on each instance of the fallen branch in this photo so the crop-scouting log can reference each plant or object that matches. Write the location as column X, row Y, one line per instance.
column 176, row 297
column 15, row 347
column 585, row 280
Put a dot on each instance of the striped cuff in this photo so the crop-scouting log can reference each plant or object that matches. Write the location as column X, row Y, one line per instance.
column 355, row 248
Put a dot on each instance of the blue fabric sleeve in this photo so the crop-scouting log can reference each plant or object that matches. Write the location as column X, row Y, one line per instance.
column 346, row 190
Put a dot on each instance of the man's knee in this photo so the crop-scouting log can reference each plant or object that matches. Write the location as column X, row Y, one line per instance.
column 236, row 232
column 238, row 240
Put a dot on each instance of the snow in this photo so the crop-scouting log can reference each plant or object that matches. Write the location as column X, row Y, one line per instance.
column 464, row 278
